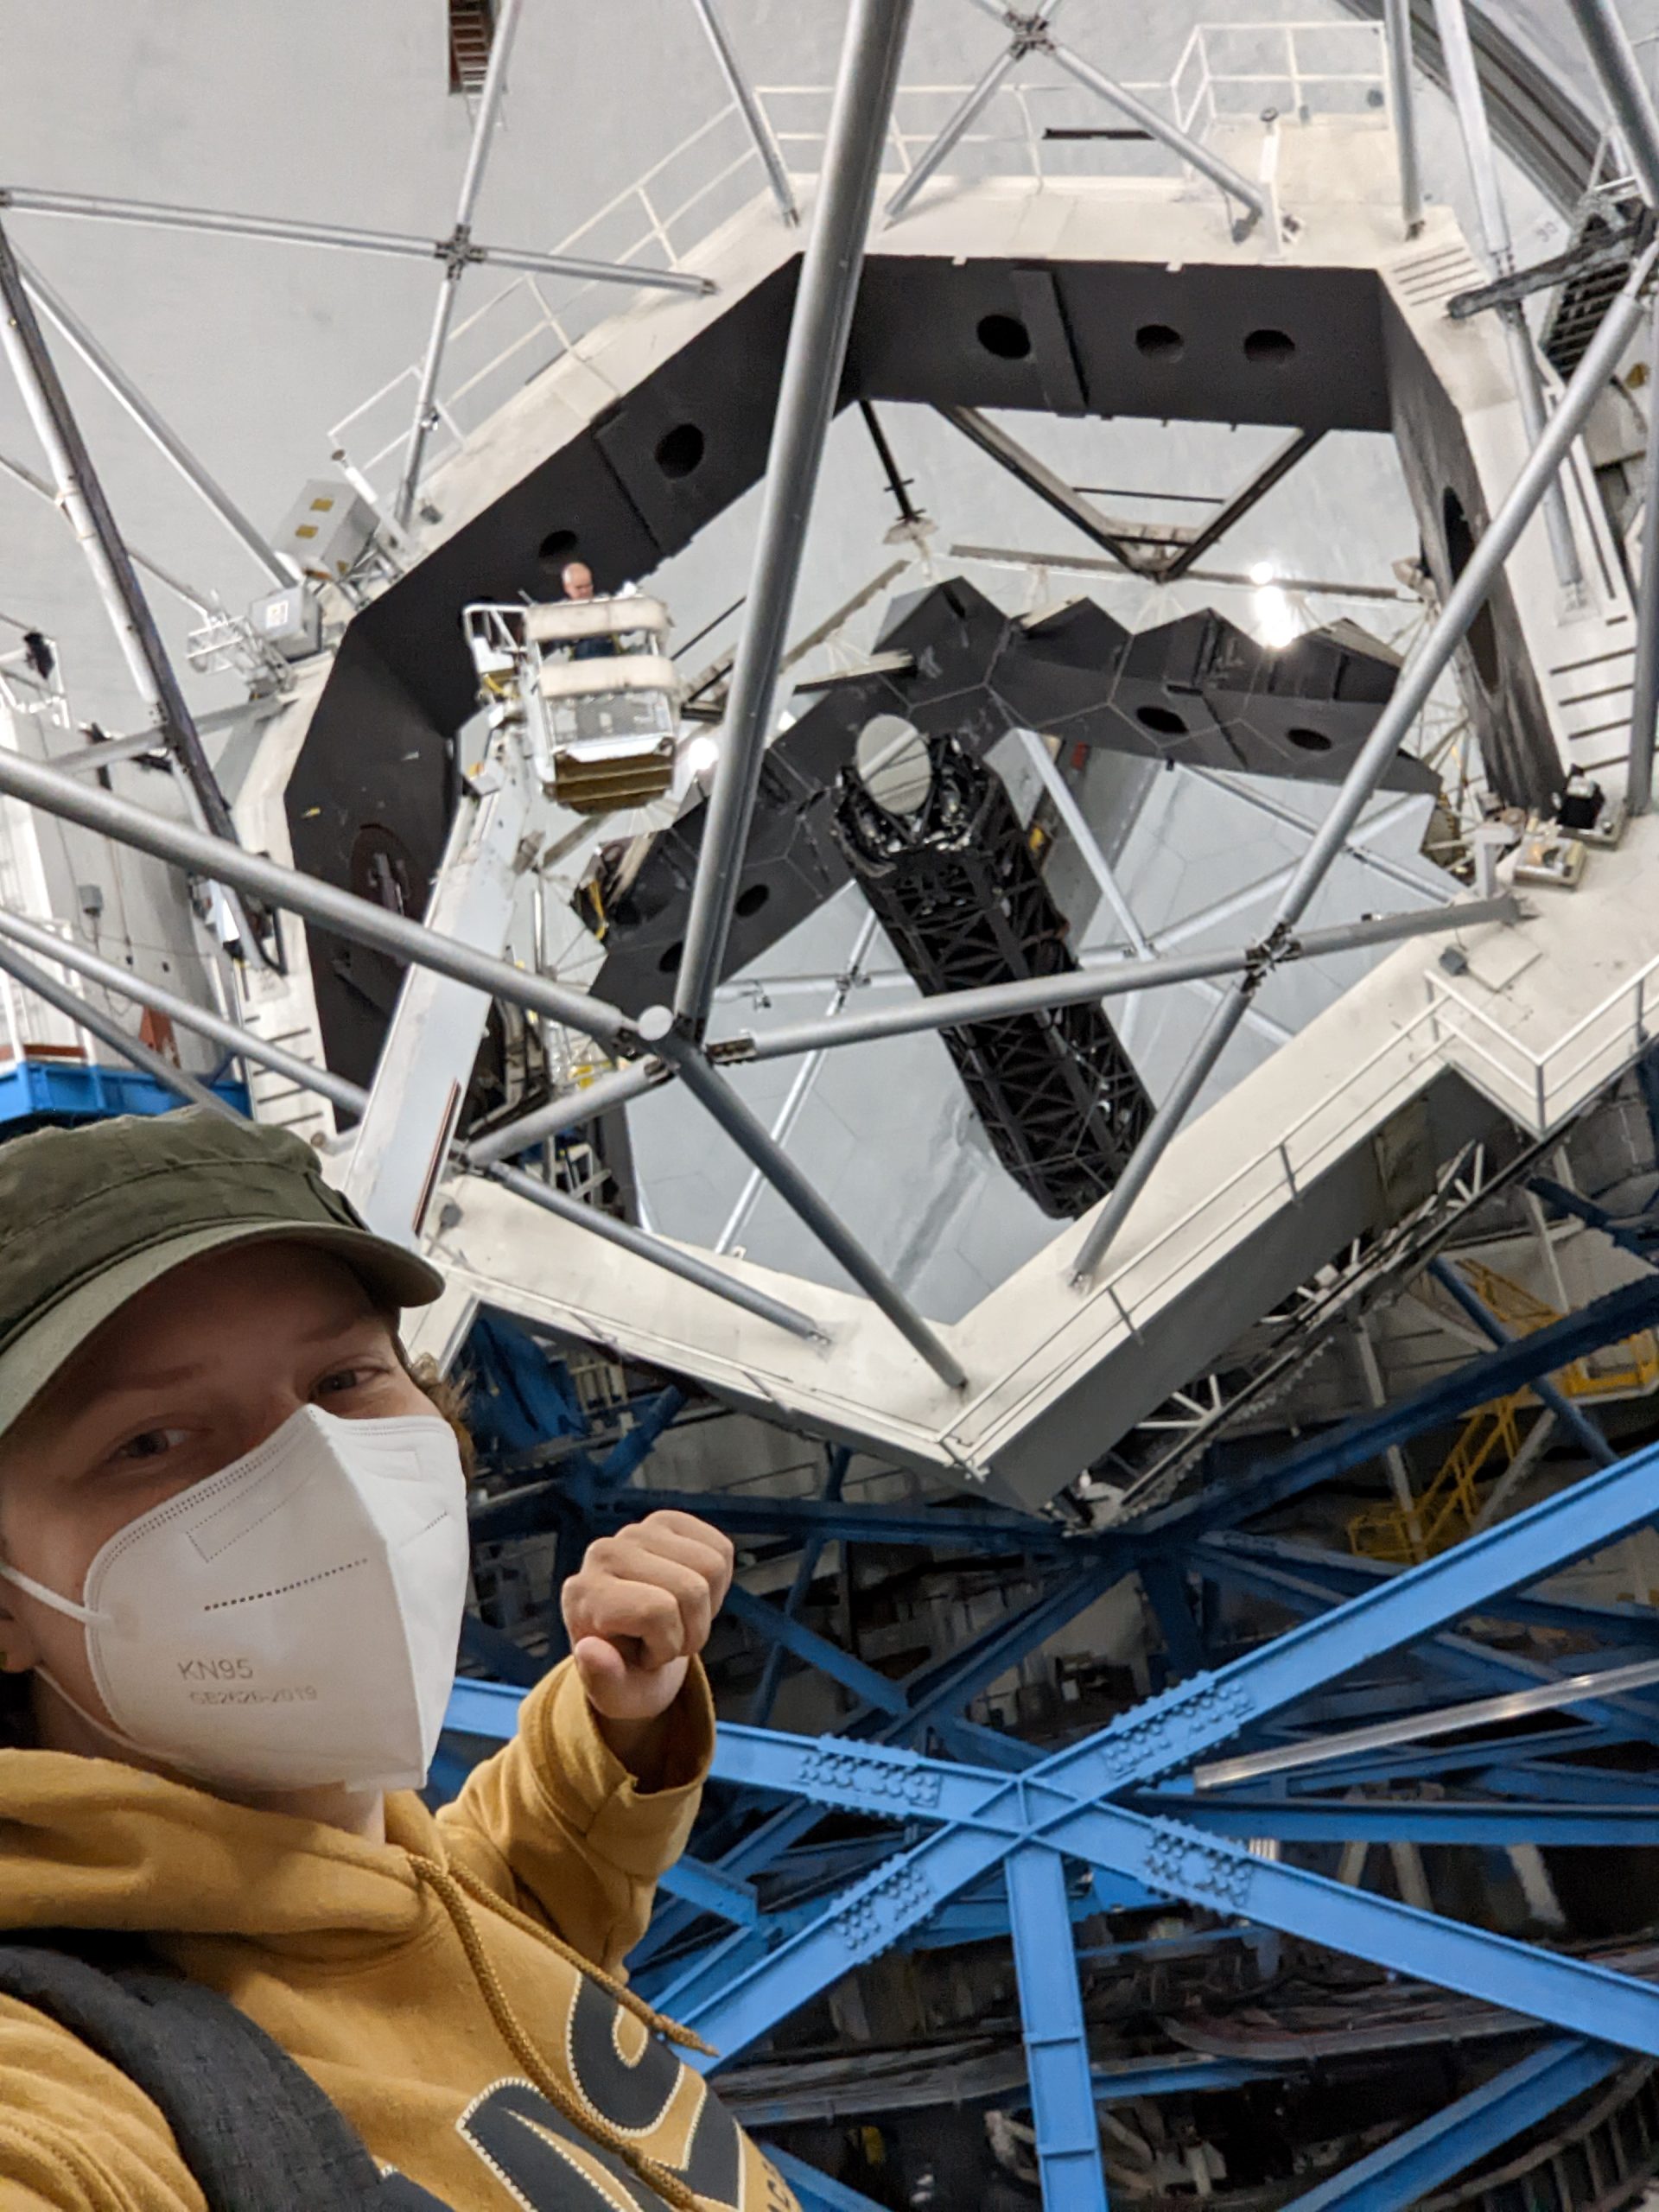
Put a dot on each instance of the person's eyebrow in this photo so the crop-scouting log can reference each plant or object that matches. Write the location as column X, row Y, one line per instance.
column 326, row 1331
column 155, row 1378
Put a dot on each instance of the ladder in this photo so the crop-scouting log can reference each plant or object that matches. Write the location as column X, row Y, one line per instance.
column 1490, row 1436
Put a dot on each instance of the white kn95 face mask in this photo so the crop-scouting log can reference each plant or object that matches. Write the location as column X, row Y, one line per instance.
column 293, row 1619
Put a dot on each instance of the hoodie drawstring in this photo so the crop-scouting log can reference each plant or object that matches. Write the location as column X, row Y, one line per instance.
column 451, row 1889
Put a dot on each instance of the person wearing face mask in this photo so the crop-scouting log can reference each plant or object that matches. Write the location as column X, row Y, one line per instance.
column 234, row 1564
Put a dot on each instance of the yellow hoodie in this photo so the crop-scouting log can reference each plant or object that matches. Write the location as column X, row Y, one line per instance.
column 422, row 1983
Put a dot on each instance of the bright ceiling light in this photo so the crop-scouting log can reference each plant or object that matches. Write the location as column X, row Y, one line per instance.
column 699, row 754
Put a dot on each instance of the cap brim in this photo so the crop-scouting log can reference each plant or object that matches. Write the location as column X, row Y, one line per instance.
column 400, row 1278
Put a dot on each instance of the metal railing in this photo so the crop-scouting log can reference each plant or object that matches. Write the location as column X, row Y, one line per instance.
column 31, row 1029
column 1281, row 1172
column 520, row 329
column 1227, row 73
column 1541, row 1089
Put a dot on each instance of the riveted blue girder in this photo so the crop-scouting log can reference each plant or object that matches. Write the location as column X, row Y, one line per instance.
column 984, row 1815
column 1062, row 1802
column 1057, row 2048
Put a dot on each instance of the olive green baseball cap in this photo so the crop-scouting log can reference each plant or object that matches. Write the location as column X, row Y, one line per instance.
column 90, row 1217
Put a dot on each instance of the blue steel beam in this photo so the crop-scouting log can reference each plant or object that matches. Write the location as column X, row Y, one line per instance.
column 1621, row 1313
column 1636, row 1234
column 1057, row 2043
column 772, row 1674
column 1448, row 2142
column 1566, row 1785
column 815, row 2192
column 1629, row 1713
column 1342, row 1575
column 1165, row 1588
column 1572, row 1419
column 635, row 1446
column 932, row 1692
column 992, row 1529
column 775, row 1626
column 985, row 1817
column 1168, row 1733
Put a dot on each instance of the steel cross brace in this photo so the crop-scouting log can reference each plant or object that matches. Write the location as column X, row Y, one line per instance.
column 1628, row 1715
column 1057, row 1802
column 1338, row 1575
column 988, row 1817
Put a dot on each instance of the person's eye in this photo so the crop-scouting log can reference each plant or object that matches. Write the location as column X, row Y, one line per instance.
column 340, row 1382
column 150, row 1444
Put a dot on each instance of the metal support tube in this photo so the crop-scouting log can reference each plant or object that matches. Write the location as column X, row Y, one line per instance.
column 426, row 413
column 1416, row 680
column 109, row 1032
column 1421, row 1727
column 1220, row 173
column 806, row 399
column 1571, row 1417
column 1397, row 18
column 1084, row 838
column 1464, row 76
column 1614, row 63
column 90, row 760
column 82, row 498
column 954, row 131
column 772, row 1673
column 1133, row 546
column 1249, row 496
column 199, row 601
column 1645, row 684
column 570, row 1110
column 754, row 114
column 996, row 1002
column 472, row 183
column 1442, row 889
column 399, row 244
column 161, row 434
column 751, row 1137
column 799, row 1091
column 669, row 1257
column 360, row 919
column 243, row 1042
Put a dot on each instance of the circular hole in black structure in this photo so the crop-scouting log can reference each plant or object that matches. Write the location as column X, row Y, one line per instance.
column 752, row 900
column 1481, row 636
column 1162, row 721
column 1309, row 740
column 669, row 962
column 680, row 452
column 1159, row 341
column 557, row 548
column 1271, row 349
column 1006, row 336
